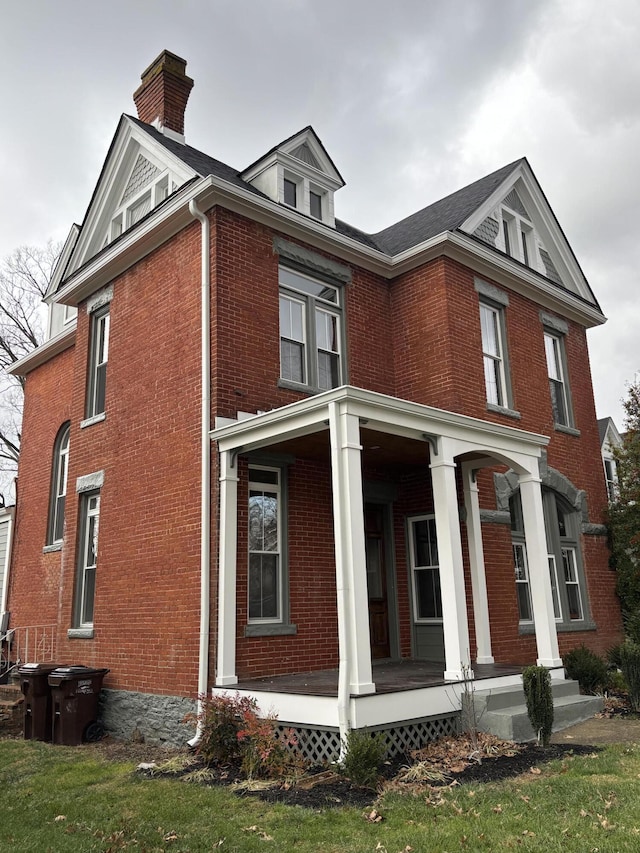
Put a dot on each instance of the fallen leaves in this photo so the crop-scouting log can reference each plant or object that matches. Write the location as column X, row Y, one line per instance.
column 373, row 816
column 262, row 835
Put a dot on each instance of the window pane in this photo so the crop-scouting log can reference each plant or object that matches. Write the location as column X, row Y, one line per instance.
column 326, row 331
column 319, row 289
column 492, row 380
column 524, row 603
column 88, row 595
column 315, row 205
column 488, row 324
column 525, row 248
column 292, row 361
column 263, row 521
column 557, row 401
column 139, row 209
column 554, row 587
column 290, row 192
column 58, row 526
column 428, row 594
column 551, row 351
column 575, row 606
column 263, row 586
column 522, row 583
column 328, row 371
column 374, row 566
column 425, row 542
column 507, row 241
column 291, row 319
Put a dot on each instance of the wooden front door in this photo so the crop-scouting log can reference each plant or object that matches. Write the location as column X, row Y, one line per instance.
column 377, row 580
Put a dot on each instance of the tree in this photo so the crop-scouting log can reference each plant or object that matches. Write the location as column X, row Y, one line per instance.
column 24, row 278
column 624, row 512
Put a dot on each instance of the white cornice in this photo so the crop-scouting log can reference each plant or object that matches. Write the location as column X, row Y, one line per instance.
column 173, row 215
column 54, row 346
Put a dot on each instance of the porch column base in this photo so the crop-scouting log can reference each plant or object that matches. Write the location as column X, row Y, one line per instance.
column 226, row 681
column 458, row 675
column 362, row 689
column 485, row 659
column 550, row 663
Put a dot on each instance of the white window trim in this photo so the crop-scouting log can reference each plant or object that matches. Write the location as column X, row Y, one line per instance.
column 524, row 582
column 158, row 189
column 518, row 228
column 497, row 359
column 83, row 567
column 419, row 620
column 275, row 489
column 99, row 333
column 59, row 473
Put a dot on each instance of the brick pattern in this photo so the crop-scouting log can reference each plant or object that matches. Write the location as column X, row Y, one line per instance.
column 417, row 337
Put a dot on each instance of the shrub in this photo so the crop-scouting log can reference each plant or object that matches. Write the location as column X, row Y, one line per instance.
column 264, row 754
column 630, row 665
column 220, row 719
column 587, row 668
column 365, row 752
column 537, row 690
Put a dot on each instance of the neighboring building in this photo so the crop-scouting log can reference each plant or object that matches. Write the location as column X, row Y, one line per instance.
column 610, row 439
column 6, row 525
column 263, row 450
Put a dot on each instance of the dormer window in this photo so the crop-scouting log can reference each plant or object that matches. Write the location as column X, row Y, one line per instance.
column 298, row 174
column 290, row 193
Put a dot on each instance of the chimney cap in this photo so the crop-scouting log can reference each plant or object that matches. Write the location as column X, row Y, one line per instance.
column 165, row 61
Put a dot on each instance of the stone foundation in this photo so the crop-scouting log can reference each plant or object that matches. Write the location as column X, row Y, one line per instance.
column 146, row 716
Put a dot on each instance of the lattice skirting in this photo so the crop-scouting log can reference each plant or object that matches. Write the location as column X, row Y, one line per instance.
column 319, row 745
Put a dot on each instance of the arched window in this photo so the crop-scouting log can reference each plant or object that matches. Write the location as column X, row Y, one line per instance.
column 562, row 525
column 58, row 485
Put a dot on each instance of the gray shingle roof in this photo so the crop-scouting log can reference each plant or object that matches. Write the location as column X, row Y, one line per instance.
column 444, row 215
column 447, row 214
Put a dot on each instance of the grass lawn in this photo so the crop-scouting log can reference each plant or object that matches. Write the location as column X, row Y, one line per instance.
column 73, row 799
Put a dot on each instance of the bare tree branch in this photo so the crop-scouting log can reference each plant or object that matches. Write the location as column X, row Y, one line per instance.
column 24, row 279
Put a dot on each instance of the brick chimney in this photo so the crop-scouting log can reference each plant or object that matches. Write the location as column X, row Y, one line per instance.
column 162, row 97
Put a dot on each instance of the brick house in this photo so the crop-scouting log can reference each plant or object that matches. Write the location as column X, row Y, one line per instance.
column 314, row 455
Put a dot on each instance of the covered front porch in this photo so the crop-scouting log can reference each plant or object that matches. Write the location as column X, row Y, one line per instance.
column 349, row 425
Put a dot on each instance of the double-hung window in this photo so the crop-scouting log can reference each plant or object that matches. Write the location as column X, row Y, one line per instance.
column 58, row 493
column 556, row 369
column 88, row 558
column 491, row 324
column 310, row 331
column 265, row 545
column 425, row 569
column 565, row 573
column 98, row 358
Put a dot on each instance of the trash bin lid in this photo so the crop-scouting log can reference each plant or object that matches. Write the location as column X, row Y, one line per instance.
column 37, row 668
column 68, row 673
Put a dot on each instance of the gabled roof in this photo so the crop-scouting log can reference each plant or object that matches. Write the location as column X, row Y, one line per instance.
column 447, row 214
column 608, row 430
column 468, row 219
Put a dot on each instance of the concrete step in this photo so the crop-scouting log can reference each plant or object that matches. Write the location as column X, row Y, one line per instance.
column 503, row 711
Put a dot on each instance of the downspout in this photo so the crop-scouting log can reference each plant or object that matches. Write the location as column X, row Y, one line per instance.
column 205, row 471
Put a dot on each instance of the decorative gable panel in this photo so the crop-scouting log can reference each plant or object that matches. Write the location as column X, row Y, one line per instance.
column 304, row 153
column 143, row 173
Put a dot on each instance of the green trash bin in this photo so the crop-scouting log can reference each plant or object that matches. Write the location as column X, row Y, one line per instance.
column 34, row 683
column 74, row 696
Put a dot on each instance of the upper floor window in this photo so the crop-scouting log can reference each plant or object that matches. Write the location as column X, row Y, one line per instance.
column 492, row 327
column 556, row 369
column 310, row 331
column 518, row 236
column 611, row 477
column 58, row 492
column 98, row 358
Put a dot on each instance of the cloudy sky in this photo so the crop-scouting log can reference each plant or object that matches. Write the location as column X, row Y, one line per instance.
column 412, row 99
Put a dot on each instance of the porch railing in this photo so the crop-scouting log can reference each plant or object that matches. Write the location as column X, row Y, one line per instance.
column 26, row 644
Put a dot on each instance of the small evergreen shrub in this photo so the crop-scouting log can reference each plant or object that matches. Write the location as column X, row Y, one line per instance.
column 587, row 668
column 537, row 690
column 630, row 665
column 365, row 753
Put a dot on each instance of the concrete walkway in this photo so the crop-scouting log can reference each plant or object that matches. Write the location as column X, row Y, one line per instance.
column 599, row 730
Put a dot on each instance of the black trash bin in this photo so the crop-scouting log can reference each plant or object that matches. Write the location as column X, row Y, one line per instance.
column 34, row 683
column 74, row 696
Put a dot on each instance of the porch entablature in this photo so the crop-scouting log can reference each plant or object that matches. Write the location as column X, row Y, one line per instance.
column 448, row 433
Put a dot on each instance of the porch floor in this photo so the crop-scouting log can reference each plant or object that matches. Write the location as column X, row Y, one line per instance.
column 388, row 676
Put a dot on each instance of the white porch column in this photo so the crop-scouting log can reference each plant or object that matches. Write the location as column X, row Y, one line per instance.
column 476, row 561
column 454, row 604
column 351, row 571
column 228, row 549
column 539, row 577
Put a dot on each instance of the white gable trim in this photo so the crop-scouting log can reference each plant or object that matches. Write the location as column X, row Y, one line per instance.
column 544, row 221
column 129, row 141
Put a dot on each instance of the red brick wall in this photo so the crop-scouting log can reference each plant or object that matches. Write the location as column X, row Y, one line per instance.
column 417, row 337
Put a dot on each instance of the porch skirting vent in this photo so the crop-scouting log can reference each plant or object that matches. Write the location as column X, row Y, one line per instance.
column 322, row 744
